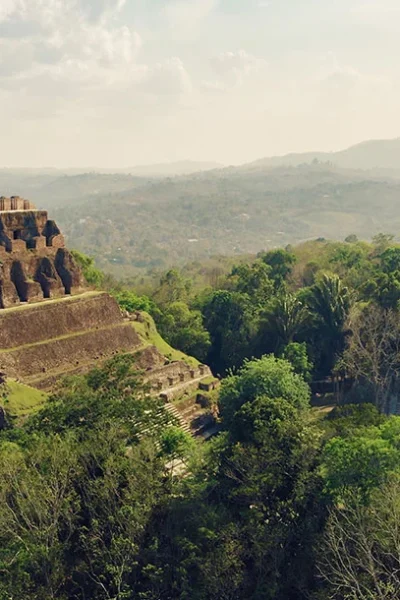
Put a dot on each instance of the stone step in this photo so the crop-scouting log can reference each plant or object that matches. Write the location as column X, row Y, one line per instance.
column 175, row 412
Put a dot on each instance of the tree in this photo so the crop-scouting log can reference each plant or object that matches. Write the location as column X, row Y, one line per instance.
column 351, row 239
column 297, row 355
column 284, row 319
column 382, row 241
column 281, row 263
column 360, row 556
column 92, row 275
column 359, row 463
column 390, row 259
column 384, row 289
column 269, row 376
column 177, row 446
column 183, row 328
column 113, row 394
column 373, row 354
column 38, row 516
column 266, row 480
column 130, row 302
column 253, row 280
column 331, row 302
column 173, row 288
column 228, row 318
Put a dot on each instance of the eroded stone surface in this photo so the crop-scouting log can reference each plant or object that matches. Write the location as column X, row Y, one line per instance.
column 34, row 263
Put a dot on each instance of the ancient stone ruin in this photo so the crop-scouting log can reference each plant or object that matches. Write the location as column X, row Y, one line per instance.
column 42, row 342
column 34, row 263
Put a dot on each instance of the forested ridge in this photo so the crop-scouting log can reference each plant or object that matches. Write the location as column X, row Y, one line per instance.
column 132, row 224
column 299, row 494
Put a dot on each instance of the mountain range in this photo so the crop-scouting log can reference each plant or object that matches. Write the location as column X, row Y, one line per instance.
column 132, row 223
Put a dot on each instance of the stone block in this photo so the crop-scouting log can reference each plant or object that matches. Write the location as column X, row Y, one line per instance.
column 34, row 291
column 39, row 242
column 57, row 241
column 8, row 294
column 18, row 246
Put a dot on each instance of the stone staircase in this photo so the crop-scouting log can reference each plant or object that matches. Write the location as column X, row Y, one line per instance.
column 193, row 419
column 171, row 408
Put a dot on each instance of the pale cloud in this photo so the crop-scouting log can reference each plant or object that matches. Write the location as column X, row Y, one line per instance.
column 376, row 8
column 80, row 43
column 345, row 77
column 124, row 81
column 232, row 70
column 185, row 15
column 167, row 78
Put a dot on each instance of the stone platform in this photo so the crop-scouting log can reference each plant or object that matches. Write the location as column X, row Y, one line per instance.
column 40, row 343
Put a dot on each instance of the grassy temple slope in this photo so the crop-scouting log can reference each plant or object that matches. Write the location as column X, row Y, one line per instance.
column 149, row 335
column 22, row 400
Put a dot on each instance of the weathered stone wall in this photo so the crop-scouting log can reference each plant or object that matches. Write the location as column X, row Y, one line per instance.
column 34, row 263
column 39, row 274
column 49, row 340
column 63, row 354
column 45, row 321
column 15, row 203
column 175, row 374
column 31, row 226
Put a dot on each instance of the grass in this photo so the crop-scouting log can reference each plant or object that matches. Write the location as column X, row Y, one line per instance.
column 22, row 400
column 149, row 335
column 210, row 379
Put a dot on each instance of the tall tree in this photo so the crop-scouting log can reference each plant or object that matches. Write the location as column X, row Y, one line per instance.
column 284, row 319
column 281, row 263
column 330, row 301
column 373, row 354
column 360, row 557
column 228, row 317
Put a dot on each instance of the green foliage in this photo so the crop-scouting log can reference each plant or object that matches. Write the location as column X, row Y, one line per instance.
column 183, row 328
column 92, row 275
column 361, row 462
column 228, row 317
column 269, row 376
column 176, row 443
column 349, row 417
column 331, row 302
column 173, row 288
column 297, row 355
column 113, row 394
column 130, row 302
column 253, row 280
column 285, row 318
column 281, row 263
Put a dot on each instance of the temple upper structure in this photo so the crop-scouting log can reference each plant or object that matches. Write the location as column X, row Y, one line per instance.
column 34, row 263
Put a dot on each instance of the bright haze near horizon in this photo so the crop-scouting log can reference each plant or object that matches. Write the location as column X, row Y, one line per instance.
column 115, row 83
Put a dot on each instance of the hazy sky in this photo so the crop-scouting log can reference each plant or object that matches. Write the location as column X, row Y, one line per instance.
column 124, row 82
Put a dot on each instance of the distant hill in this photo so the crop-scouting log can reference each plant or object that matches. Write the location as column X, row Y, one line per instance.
column 229, row 211
column 373, row 154
column 173, row 169
column 132, row 222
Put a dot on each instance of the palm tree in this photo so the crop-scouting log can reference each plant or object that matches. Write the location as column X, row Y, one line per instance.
column 286, row 318
column 331, row 302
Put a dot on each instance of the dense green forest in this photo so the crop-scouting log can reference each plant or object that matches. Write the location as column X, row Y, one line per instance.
column 311, row 301
column 286, row 503
column 298, row 496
